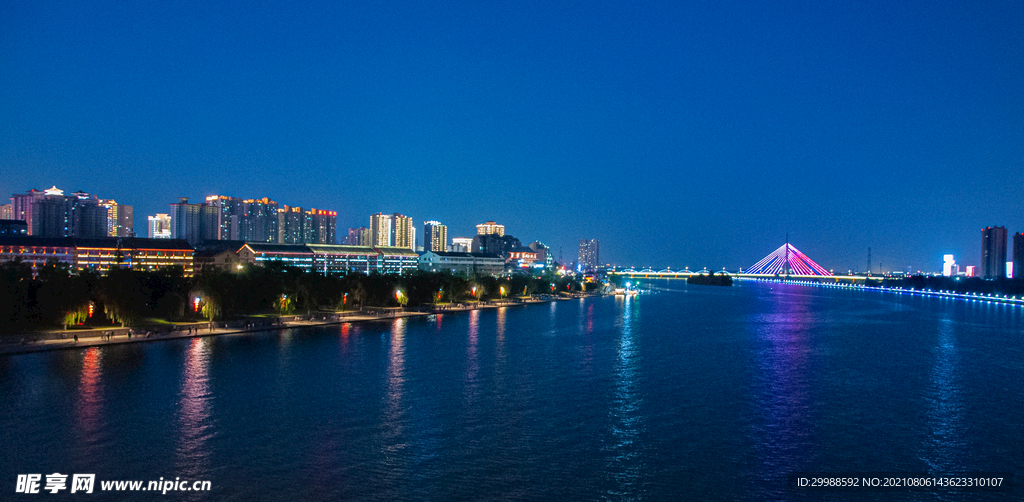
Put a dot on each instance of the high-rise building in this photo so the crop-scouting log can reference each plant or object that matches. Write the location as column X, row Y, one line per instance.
column 295, row 226
column 186, row 221
column 490, row 227
column 258, row 221
column 358, row 236
column 1018, row 255
column 589, row 255
column 160, row 226
column 394, row 230
column 221, row 220
column 380, row 230
column 403, row 232
column 50, row 213
column 461, row 245
column 993, row 252
column 120, row 221
column 495, row 244
column 6, row 212
column 435, row 236
column 948, row 263
column 325, row 226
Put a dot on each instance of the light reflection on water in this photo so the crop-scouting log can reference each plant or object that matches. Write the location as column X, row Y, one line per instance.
column 90, row 400
column 946, row 407
column 472, row 364
column 393, row 418
column 782, row 432
column 625, row 458
column 715, row 388
column 195, row 425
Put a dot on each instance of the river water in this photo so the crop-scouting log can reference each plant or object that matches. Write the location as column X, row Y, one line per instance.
column 692, row 393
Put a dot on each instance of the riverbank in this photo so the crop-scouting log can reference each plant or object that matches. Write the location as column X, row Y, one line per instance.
column 121, row 336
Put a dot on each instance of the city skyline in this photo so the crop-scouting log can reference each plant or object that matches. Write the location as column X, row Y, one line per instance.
column 675, row 135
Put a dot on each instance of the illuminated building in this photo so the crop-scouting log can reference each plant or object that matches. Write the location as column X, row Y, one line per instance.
column 490, row 227
column 6, row 212
column 258, row 221
column 260, row 253
column 543, row 254
column 380, row 230
column 50, row 213
column 13, row 227
column 435, row 236
column 461, row 245
column 396, row 260
column 334, row 259
column 359, row 236
column 589, row 255
column 523, row 257
column 120, row 221
column 331, row 258
column 186, row 221
column 160, row 226
column 1018, row 255
column 467, row 264
column 993, row 252
column 221, row 218
column 970, row 271
column 99, row 254
column 495, row 244
column 403, row 232
column 948, row 265
column 295, row 226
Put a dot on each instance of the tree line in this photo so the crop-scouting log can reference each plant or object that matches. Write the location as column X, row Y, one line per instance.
column 59, row 297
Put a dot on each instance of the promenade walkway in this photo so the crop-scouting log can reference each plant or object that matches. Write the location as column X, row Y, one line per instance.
column 99, row 339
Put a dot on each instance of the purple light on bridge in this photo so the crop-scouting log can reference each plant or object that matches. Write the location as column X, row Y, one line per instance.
column 776, row 263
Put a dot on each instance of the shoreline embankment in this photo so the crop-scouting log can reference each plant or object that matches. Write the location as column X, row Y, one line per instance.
column 64, row 340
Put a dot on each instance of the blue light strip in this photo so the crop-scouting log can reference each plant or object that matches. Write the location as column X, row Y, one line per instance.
column 974, row 297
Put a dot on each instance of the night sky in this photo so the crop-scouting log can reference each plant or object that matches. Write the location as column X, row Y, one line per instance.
column 678, row 133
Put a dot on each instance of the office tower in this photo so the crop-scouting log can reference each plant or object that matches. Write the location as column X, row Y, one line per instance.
column 160, row 226
column 490, row 227
column 7, row 212
column 50, row 213
column 461, row 245
column 358, row 236
column 1018, row 256
column 380, row 230
column 403, row 232
column 947, row 265
column 186, row 221
column 119, row 218
column 993, row 252
column 589, row 256
column 435, row 236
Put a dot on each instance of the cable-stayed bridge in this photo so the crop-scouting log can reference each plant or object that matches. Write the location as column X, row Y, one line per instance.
column 786, row 262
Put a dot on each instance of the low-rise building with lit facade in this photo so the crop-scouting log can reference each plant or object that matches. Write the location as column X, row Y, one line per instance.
column 101, row 254
column 468, row 264
column 331, row 258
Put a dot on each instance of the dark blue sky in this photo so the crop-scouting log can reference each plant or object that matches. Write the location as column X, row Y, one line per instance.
column 691, row 134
